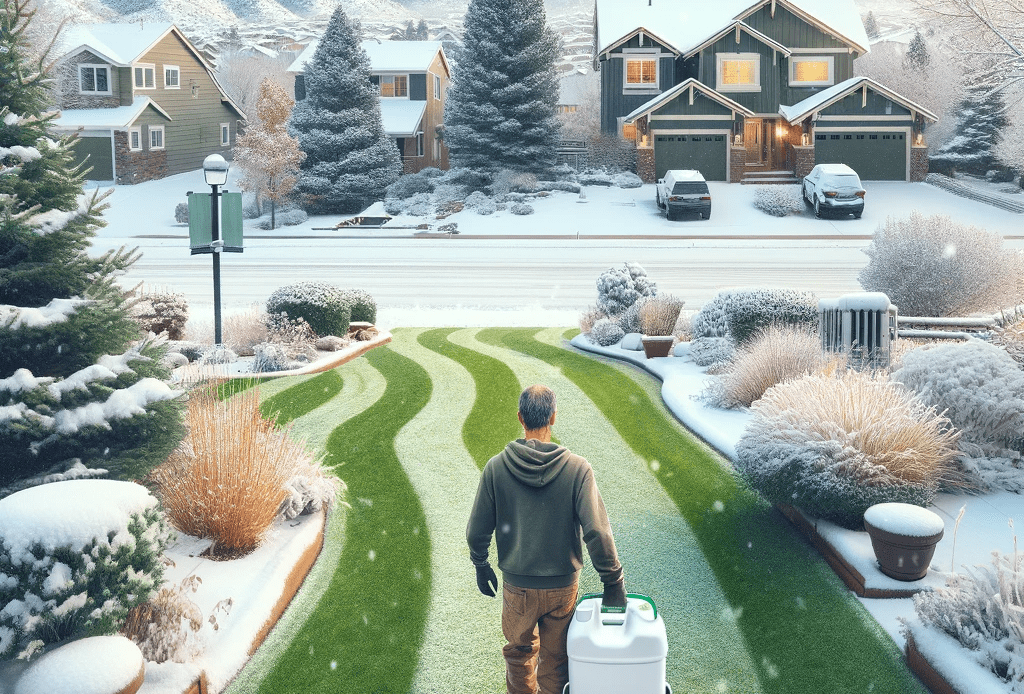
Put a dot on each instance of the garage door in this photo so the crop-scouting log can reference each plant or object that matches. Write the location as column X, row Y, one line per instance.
column 98, row 151
column 874, row 156
column 705, row 153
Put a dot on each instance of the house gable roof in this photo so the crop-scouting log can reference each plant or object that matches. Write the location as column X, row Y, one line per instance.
column 738, row 26
column 690, row 84
column 686, row 25
column 117, row 118
column 386, row 56
column 401, row 118
column 825, row 98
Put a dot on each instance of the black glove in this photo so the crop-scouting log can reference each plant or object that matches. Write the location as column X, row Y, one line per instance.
column 614, row 594
column 486, row 581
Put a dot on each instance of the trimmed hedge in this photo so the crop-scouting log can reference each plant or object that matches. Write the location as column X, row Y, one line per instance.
column 321, row 304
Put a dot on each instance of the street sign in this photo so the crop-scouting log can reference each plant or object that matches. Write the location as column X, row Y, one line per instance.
column 200, row 228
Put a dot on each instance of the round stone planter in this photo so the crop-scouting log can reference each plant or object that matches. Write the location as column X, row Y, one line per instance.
column 903, row 537
column 657, row 345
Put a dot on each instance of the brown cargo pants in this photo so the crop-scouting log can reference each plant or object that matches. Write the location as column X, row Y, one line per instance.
column 535, row 622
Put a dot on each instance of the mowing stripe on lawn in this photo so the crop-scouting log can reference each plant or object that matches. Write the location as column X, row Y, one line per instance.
column 492, row 420
column 303, row 397
column 365, row 634
column 462, row 641
column 805, row 631
column 659, row 552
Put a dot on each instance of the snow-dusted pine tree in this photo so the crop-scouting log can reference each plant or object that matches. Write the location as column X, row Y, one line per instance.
column 266, row 153
column 61, row 311
column 917, row 56
column 501, row 108
column 981, row 119
column 871, row 25
column 349, row 160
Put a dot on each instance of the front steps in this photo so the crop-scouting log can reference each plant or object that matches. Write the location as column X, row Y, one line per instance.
column 759, row 177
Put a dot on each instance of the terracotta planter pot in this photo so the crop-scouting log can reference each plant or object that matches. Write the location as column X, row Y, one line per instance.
column 903, row 537
column 657, row 345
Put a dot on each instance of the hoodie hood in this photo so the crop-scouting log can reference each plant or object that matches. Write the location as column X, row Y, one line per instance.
column 534, row 463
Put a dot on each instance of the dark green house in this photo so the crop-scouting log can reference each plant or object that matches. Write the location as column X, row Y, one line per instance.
column 751, row 91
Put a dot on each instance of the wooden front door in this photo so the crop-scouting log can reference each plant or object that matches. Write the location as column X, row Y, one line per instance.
column 753, row 140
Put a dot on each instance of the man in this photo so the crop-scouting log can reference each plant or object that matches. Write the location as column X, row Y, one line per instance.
column 541, row 499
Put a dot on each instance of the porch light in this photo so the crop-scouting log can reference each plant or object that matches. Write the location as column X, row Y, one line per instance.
column 920, row 139
column 737, row 139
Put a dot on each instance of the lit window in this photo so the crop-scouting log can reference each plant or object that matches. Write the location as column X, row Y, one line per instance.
column 394, row 86
column 172, row 77
column 642, row 72
column 225, row 134
column 811, row 71
column 156, row 137
column 629, row 131
column 145, row 76
column 93, row 79
column 135, row 139
column 739, row 72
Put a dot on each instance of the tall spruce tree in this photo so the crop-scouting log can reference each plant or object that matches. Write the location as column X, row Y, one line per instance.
column 501, row 110
column 981, row 120
column 871, row 26
column 61, row 399
column 349, row 160
column 917, row 57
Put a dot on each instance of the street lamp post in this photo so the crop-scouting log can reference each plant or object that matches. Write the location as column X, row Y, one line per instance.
column 215, row 170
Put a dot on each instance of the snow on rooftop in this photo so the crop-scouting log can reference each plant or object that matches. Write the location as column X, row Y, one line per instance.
column 385, row 56
column 685, row 25
column 122, row 44
column 119, row 117
column 401, row 117
column 800, row 109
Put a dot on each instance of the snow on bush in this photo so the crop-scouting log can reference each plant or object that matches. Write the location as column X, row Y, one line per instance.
column 181, row 213
column 711, row 319
column 619, row 288
column 606, row 332
column 932, row 266
column 312, row 487
column 521, row 208
column 362, row 306
column 980, row 388
column 282, row 218
column 778, row 200
column 1010, row 336
column 481, row 203
column 712, row 351
column 629, row 320
column 627, row 179
column 162, row 312
column 983, row 609
column 595, row 178
column 836, row 445
column 588, row 317
column 75, row 557
column 321, row 304
column 505, row 181
column 408, row 185
column 748, row 312
column 57, row 311
column 777, row 355
column 564, row 186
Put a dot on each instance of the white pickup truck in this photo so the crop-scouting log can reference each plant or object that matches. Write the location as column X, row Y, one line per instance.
column 682, row 191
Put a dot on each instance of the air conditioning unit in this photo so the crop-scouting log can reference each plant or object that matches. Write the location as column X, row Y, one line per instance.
column 862, row 326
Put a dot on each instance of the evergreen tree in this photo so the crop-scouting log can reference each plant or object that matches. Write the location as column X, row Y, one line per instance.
column 410, row 32
column 981, row 119
column 871, row 26
column 61, row 310
column 268, row 155
column 917, row 57
column 501, row 110
column 422, row 32
column 349, row 160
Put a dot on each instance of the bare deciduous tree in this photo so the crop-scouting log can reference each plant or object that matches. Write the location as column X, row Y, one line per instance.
column 241, row 75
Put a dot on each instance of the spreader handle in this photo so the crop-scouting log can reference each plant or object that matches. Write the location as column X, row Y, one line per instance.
column 613, row 610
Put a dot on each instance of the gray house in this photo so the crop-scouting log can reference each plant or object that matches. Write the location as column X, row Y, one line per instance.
column 751, row 91
column 143, row 101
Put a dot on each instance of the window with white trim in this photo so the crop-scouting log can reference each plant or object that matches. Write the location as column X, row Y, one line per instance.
column 135, row 139
column 225, row 134
column 172, row 77
column 437, row 87
column 144, row 76
column 156, row 137
column 811, row 71
column 394, row 86
column 640, row 72
column 93, row 79
column 738, row 72
column 419, row 145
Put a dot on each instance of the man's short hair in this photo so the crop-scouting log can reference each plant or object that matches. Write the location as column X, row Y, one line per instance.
column 536, row 405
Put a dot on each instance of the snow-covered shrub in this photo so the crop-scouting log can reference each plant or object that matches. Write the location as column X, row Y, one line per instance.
column 933, row 266
column 589, row 316
column 181, row 213
column 748, row 311
column 75, row 557
column 159, row 312
column 283, row 218
column 1011, row 338
column 419, row 205
column 983, row 609
column 505, row 181
column 778, row 200
column 619, row 288
column 606, row 332
column 711, row 320
column 470, row 179
column 658, row 315
column 269, row 358
column 595, row 178
column 627, row 179
column 629, row 320
column 708, row 351
column 226, row 480
column 836, row 445
column 166, row 626
column 218, row 354
column 521, row 208
column 777, row 355
column 564, row 186
column 394, row 206
column 980, row 387
column 362, row 306
column 481, row 203
column 448, row 193
column 311, row 488
column 321, row 304
column 409, row 185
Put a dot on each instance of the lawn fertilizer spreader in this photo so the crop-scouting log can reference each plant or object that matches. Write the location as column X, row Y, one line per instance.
column 617, row 650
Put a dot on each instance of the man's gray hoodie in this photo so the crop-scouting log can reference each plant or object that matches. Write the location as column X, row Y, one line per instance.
column 540, row 500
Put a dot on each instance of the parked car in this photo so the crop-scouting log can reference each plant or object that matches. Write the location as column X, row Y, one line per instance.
column 833, row 188
column 681, row 191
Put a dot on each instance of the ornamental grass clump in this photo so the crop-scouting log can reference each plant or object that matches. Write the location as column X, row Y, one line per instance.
column 658, row 315
column 835, row 445
column 227, row 480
